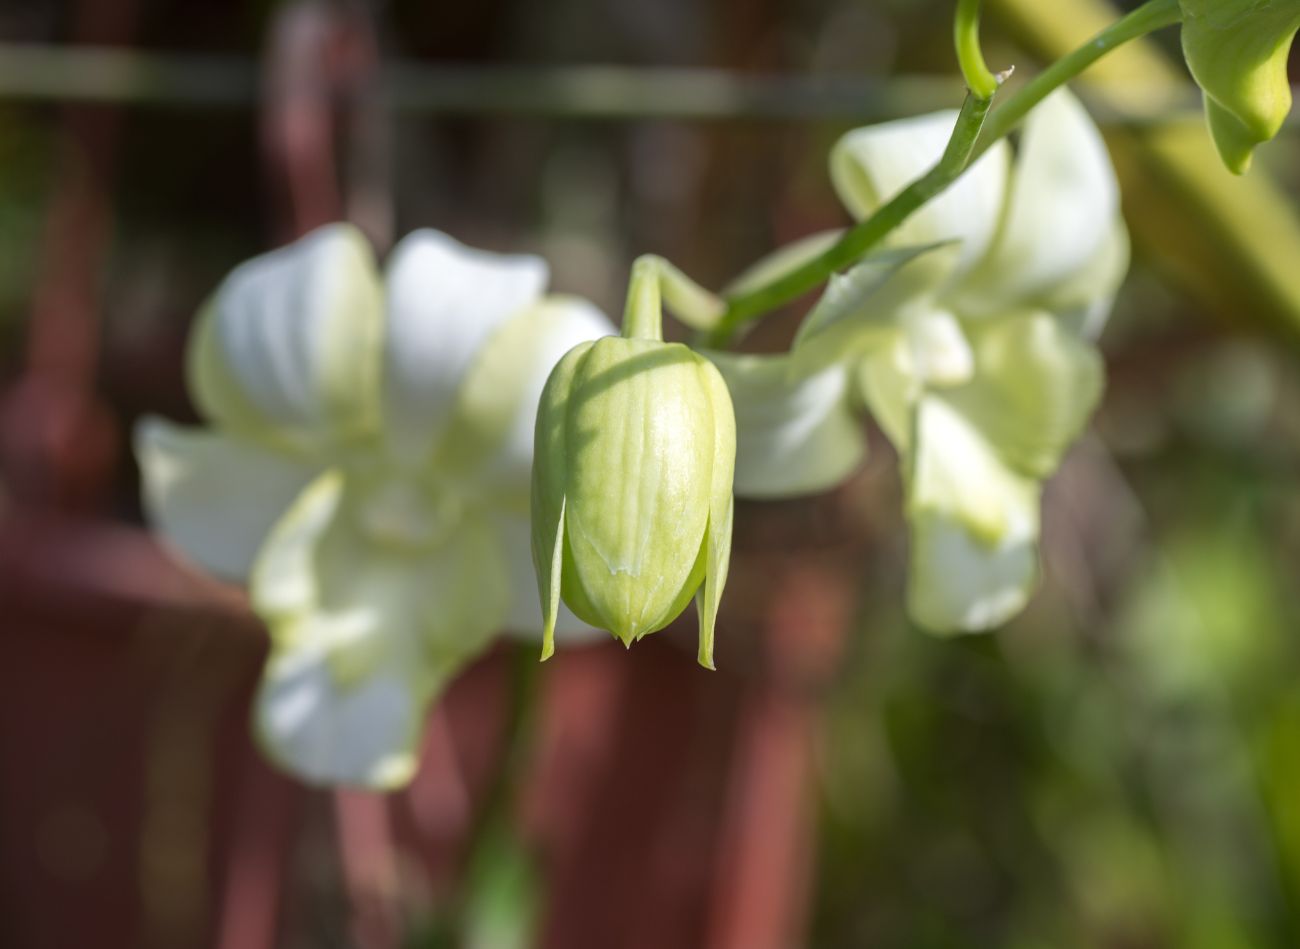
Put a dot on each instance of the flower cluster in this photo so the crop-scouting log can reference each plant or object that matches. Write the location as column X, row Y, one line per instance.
column 369, row 472
column 970, row 343
column 366, row 473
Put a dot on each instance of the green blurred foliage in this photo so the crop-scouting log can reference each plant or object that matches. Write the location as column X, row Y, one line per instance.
column 1117, row 774
column 25, row 184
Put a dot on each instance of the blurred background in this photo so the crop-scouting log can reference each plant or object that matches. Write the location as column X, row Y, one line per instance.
column 1118, row 767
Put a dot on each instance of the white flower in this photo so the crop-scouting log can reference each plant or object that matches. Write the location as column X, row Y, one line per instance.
column 975, row 355
column 366, row 474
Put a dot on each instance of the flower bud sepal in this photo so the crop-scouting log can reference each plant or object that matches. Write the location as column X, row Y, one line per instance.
column 1237, row 52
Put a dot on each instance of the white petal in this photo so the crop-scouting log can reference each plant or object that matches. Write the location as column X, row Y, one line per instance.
column 328, row 572
column 1061, row 210
column 890, row 388
column 871, row 165
column 1083, row 302
column 525, row 619
column 288, row 347
column 364, row 632
column 974, row 526
column 936, row 347
column 956, row 471
column 960, row 584
column 1035, row 388
column 491, row 427
column 444, row 301
column 215, row 497
column 794, row 434
column 283, row 579
column 365, row 735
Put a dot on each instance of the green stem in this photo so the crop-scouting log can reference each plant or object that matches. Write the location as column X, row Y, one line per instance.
column 966, row 37
column 655, row 284
column 962, row 150
column 643, row 315
column 863, row 236
column 499, row 800
column 1151, row 16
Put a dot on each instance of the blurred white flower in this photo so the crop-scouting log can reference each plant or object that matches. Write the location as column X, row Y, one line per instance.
column 975, row 355
column 366, row 473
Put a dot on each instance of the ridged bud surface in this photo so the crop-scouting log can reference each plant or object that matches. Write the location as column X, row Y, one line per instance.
column 632, row 497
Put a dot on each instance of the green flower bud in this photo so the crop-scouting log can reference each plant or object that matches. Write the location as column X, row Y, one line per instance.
column 1237, row 52
column 632, row 479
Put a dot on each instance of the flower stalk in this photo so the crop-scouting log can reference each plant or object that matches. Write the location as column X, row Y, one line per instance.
column 1151, row 16
column 971, row 137
column 861, row 238
column 966, row 36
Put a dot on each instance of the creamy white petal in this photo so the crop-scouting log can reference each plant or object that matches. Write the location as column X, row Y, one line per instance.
column 489, row 435
column 795, row 434
column 956, row 471
column 958, row 584
column 525, row 619
column 937, row 349
column 1035, row 387
column 974, row 526
column 213, row 496
column 326, row 566
column 365, row 629
column 444, row 301
column 1061, row 210
column 869, row 166
column 890, row 388
column 288, row 346
column 1083, row 302
column 366, row 734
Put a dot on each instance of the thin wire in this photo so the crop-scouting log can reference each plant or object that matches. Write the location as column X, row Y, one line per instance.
column 45, row 73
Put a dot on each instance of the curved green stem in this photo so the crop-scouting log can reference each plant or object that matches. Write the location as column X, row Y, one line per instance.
column 643, row 313
column 966, row 36
column 864, row 235
column 1151, row 16
column 656, row 283
column 962, row 150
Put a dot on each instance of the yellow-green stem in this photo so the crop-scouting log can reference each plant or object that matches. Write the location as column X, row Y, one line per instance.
column 961, row 151
column 966, row 37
